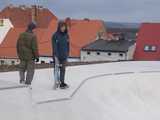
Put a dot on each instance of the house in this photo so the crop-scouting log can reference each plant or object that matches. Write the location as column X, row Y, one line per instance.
column 129, row 29
column 128, row 35
column 14, row 20
column 148, row 42
column 81, row 32
column 108, row 50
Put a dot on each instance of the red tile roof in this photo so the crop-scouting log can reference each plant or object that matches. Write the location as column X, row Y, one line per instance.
column 21, row 18
column 47, row 24
column 44, row 39
column 149, row 34
column 8, row 46
column 81, row 32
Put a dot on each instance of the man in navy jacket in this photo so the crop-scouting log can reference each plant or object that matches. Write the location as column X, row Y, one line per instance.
column 60, row 43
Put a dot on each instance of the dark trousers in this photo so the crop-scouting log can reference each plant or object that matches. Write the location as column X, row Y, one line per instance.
column 29, row 67
column 62, row 70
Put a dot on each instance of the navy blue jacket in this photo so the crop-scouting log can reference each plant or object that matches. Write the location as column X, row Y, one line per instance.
column 60, row 44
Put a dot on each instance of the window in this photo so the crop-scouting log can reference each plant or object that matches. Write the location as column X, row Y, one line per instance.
column 51, row 62
column 121, row 54
column 146, row 48
column 98, row 53
column 153, row 48
column 1, row 22
column 2, row 62
column 13, row 62
column 88, row 53
column 109, row 54
column 150, row 48
column 42, row 62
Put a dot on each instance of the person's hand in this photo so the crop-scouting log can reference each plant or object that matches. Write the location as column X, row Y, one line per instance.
column 37, row 60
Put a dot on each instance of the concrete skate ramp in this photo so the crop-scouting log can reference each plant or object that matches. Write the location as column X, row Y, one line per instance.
column 119, row 97
column 111, row 91
column 5, row 85
column 15, row 101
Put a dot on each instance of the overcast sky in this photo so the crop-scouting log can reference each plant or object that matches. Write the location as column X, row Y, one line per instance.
column 108, row 10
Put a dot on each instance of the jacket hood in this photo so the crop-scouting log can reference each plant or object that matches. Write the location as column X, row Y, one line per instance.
column 31, row 27
column 60, row 24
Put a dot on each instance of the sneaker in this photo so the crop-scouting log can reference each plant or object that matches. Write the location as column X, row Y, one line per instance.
column 64, row 86
column 56, row 86
column 30, row 87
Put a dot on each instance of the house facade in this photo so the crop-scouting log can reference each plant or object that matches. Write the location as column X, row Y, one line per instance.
column 9, row 61
column 103, row 50
column 148, row 42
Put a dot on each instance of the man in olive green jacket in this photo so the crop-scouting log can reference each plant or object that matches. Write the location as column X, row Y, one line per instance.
column 27, row 51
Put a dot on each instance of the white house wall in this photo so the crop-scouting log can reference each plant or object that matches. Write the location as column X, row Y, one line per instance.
column 45, row 59
column 50, row 59
column 102, row 57
column 7, row 25
column 9, row 61
column 130, row 52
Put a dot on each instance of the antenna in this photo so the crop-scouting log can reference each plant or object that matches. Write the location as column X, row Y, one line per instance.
column 38, row 5
column 44, row 3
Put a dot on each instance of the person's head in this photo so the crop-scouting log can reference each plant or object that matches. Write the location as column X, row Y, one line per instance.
column 31, row 27
column 62, row 27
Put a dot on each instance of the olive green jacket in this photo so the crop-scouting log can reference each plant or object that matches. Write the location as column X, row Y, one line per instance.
column 27, row 48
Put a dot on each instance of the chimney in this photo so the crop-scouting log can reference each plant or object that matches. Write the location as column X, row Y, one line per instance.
column 100, row 35
column 86, row 19
column 23, row 7
column 34, row 13
column 110, row 36
column 40, row 7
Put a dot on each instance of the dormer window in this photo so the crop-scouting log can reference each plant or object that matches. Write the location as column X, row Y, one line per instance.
column 146, row 48
column 1, row 22
column 88, row 53
column 150, row 48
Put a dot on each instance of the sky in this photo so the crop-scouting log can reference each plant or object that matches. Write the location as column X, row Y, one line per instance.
column 108, row 10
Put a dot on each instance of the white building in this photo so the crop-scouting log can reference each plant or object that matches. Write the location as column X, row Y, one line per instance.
column 9, row 61
column 103, row 50
column 5, row 26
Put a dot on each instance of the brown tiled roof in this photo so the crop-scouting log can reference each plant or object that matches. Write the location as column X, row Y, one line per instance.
column 82, row 32
column 21, row 18
column 8, row 46
column 47, row 24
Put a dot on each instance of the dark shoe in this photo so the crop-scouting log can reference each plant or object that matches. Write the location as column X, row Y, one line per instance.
column 26, row 83
column 30, row 87
column 22, row 82
column 63, row 86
